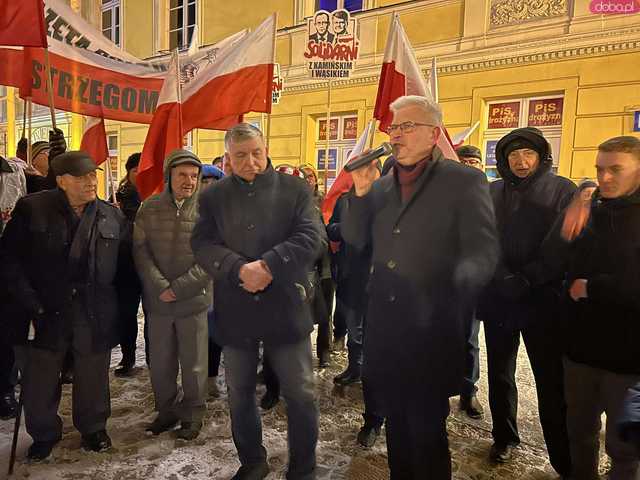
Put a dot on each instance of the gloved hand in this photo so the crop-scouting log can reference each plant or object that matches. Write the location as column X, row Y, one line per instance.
column 57, row 143
column 514, row 286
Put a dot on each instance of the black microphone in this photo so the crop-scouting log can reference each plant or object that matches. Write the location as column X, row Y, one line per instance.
column 382, row 150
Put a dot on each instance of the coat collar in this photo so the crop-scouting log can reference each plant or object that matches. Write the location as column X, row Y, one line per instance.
column 264, row 179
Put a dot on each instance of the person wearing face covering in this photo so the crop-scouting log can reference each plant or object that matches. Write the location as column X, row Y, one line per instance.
column 523, row 297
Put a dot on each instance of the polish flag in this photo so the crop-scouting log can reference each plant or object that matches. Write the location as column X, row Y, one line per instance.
column 344, row 181
column 236, row 82
column 401, row 76
column 164, row 135
column 94, row 140
column 22, row 23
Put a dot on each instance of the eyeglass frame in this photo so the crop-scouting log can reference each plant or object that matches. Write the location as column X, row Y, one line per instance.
column 407, row 127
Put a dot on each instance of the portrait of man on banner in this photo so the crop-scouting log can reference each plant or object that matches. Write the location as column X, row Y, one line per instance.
column 320, row 26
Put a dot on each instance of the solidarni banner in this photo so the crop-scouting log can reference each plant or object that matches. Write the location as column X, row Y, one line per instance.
column 333, row 44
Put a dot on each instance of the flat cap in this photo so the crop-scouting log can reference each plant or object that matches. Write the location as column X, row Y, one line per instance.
column 75, row 163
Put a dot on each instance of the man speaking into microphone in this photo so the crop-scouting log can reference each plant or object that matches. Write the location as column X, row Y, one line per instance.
column 432, row 230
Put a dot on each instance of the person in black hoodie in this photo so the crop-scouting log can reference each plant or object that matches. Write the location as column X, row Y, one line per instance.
column 523, row 297
column 603, row 359
column 129, row 296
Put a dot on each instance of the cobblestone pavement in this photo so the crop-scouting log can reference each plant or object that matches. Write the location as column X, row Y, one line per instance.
column 212, row 455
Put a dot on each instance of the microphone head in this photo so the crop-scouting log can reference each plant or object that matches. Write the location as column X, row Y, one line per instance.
column 387, row 148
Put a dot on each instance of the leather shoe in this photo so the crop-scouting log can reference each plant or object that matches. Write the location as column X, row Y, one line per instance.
column 8, row 406
column 269, row 400
column 257, row 471
column 368, row 435
column 501, row 453
column 472, row 407
column 347, row 377
column 189, row 430
column 163, row 423
column 39, row 451
column 96, row 442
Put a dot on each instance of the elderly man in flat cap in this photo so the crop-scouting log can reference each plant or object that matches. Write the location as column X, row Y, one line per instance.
column 60, row 257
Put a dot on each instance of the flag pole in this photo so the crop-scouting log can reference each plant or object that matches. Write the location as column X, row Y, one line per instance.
column 24, row 117
column 327, row 133
column 372, row 131
column 179, row 95
column 273, row 61
column 47, row 66
column 29, row 159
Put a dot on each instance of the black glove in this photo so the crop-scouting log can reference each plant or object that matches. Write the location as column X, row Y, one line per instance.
column 514, row 286
column 57, row 143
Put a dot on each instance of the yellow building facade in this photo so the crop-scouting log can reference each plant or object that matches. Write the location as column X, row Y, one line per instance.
column 547, row 63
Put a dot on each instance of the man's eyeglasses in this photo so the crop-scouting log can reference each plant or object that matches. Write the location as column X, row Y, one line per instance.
column 407, row 127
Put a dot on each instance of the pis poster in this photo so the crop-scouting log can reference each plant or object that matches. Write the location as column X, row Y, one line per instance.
column 332, row 44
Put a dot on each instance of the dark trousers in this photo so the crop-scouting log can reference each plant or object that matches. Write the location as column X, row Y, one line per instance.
column 471, row 360
column 545, row 355
column 215, row 352
column 129, row 304
column 321, row 307
column 417, row 440
column 270, row 378
column 590, row 392
column 292, row 364
column 7, row 364
column 42, row 389
column 339, row 319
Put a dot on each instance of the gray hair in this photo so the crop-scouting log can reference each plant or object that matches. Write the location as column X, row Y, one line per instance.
column 430, row 108
column 240, row 133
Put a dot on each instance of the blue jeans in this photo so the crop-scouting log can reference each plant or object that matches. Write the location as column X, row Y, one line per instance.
column 293, row 367
column 472, row 360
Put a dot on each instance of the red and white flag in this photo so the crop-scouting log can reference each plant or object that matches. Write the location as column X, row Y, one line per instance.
column 400, row 76
column 164, row 135
column 344, row 180
column 94, row 140
column 22, row 23
column 238, row 81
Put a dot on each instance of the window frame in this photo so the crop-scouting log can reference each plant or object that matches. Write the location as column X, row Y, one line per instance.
column 115, row 29
column 184, row 29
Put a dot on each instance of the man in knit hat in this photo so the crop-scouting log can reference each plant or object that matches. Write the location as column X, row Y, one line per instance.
column 522, row 297
column 471, row 156
column 176, row 296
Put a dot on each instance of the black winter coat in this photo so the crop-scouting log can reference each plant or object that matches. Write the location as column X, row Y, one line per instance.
column 273, row 219
column 431, row 256
column 629, row 423
column 605, row 327
column 524, row 289
column 34, row 254
column 352, row 265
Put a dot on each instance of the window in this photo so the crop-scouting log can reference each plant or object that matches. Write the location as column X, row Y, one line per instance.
column 187, row 141
column 343, row 134
column 331, row 5
column 543, row 113
column 3, row 104
column 182, row 21
column 111, row 20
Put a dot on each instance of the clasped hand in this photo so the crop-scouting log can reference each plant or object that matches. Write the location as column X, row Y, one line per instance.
column 255, row 276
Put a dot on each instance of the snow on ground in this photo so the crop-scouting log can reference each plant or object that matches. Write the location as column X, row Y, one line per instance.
column 212, row 455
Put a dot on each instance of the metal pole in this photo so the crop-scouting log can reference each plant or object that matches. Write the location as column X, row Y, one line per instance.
column 328, row 137
column 24, row 117
column 16, row 433
column 47, row 65
column 29, row 159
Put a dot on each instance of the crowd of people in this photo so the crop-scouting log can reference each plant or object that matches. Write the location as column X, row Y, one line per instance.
column 234, row 259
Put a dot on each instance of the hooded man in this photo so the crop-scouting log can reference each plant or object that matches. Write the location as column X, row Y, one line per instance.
column 523, row 295
column 176, row 296
column 61, row 256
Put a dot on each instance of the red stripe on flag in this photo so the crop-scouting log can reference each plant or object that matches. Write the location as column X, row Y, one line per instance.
column 11, row 70
column 22, row 23
column 94, row 142
column 164, row 136
column 342, row 184
column 390, row 87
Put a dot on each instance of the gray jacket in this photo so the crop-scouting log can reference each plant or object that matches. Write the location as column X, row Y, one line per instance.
column 162, row 250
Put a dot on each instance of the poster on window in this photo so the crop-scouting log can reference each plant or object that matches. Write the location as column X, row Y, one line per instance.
column 490, row 153
column 504, row 115
column 350, row 128
column 333, row 159
column 332, row 44
column 322, row 129
column 545, row 112
column 277, row 85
